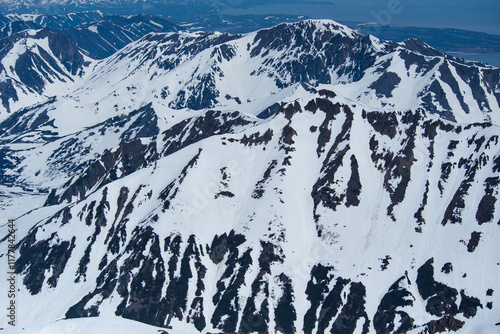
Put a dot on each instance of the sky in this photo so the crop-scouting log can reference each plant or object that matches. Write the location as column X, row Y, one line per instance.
column 478, row 15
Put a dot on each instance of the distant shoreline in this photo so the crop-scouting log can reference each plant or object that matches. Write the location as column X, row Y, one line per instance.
column 488, row 58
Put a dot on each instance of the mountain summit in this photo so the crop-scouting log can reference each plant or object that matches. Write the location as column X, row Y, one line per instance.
column 209, row 68
column 299, row 179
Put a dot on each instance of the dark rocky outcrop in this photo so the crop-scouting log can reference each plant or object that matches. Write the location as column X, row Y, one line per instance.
column 391, row 305
column 39, row 258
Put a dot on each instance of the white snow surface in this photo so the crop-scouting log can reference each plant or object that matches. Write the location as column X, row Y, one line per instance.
column 95, row 325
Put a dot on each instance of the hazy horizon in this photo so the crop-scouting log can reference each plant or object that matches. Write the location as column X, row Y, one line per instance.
column 482, row 16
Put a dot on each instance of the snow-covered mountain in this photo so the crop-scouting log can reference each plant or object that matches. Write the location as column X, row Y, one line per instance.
column 99, row 34
column 42, row 54
column 209, row 71
column 62, row 21
column 298, row 179
column 35, row 64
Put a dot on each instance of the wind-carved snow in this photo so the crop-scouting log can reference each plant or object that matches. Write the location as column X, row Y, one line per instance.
column 186, row 184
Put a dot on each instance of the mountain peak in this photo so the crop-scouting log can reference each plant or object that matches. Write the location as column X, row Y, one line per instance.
column 415, row 44
column 318, row 26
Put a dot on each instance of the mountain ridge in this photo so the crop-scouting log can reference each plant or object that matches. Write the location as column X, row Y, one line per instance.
column 33, row 63
column 315, row 68
column 97, row 33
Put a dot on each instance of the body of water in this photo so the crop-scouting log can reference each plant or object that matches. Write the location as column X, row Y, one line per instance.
column 488, row 58
column 479, row 15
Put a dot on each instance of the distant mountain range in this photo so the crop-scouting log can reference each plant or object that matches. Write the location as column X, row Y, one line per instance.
column 134, row 7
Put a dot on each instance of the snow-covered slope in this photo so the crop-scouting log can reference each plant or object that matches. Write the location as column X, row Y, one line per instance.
column 95, row 325
column 300, row 179
column 35, row 64
column 99, row 34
